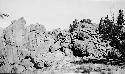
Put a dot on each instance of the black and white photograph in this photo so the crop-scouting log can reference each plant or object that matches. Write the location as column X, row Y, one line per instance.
column 62, row 36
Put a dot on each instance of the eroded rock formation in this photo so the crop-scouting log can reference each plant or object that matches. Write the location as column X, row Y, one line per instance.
column 32, row 49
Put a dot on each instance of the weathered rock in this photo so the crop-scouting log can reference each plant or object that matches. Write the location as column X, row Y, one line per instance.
column 51, row 50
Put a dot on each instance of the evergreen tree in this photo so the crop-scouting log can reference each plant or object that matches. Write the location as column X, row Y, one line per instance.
column 120, row 19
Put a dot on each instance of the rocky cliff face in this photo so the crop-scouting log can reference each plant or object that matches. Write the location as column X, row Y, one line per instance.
column 32, row 49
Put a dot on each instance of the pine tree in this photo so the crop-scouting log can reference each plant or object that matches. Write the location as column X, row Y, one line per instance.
column 120, row 19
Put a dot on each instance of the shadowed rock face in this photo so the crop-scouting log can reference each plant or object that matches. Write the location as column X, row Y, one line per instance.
column 32, row 49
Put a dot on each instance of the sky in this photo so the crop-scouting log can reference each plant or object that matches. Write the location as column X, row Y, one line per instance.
column 58, row 13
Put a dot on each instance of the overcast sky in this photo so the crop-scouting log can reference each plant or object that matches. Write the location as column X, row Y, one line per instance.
column 58, row 13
